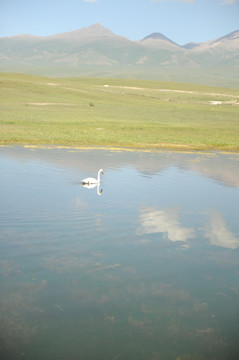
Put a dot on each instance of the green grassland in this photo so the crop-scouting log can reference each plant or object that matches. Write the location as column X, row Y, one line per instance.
column 125, row 113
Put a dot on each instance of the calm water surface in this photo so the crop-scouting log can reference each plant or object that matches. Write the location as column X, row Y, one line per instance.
column 149, row 269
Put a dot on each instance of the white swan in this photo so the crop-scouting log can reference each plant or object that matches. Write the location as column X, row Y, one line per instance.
column 92, row 181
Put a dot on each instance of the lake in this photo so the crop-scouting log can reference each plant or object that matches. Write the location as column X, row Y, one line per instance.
column 144, row 267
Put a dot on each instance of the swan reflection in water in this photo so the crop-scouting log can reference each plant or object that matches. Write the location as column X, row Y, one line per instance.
column 91, row 183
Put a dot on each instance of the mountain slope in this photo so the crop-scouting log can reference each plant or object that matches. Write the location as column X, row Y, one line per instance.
column 223, row 51
column 93, row 31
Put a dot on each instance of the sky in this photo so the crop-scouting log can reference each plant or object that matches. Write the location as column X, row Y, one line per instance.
column 182, row 21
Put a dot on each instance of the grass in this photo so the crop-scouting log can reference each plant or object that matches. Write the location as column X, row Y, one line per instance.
column 126, row 113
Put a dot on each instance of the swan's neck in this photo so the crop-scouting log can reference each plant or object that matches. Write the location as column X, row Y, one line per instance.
column 99, row 192
column 98, row 177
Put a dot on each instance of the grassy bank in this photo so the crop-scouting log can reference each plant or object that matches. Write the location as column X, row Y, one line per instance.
column 127, row 113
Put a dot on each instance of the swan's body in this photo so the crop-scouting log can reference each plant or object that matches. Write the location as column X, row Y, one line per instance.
column 92, row 181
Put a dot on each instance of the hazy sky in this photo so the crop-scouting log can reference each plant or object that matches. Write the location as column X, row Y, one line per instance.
column 180, row 20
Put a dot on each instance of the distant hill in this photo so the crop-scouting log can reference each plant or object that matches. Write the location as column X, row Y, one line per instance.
column 158, row 40
column 96, row 51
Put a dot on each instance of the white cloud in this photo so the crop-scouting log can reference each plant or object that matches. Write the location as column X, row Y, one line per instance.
column 218, row 232
column 230, row 2
column 185, row 1
column 166, row 222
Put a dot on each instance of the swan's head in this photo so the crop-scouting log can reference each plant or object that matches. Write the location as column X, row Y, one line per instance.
column 101, row 171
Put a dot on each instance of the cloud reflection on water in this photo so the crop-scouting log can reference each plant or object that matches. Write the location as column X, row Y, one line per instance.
column 218, row 232
column 166, row 222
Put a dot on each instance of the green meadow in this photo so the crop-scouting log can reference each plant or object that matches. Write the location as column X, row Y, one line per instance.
column 117, row 113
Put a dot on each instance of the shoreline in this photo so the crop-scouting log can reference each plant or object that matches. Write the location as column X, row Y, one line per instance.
column 169, row 147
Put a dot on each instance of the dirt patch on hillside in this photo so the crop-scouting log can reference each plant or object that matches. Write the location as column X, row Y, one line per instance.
column 50, row 104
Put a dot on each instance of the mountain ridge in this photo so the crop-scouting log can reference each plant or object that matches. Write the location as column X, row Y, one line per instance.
column 99, row 30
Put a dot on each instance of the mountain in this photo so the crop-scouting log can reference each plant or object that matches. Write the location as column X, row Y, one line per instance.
column 94, row 45
column 96, row 50
column 222, row 51
column 158, row 41
column 227, row 42
column 93, row 31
